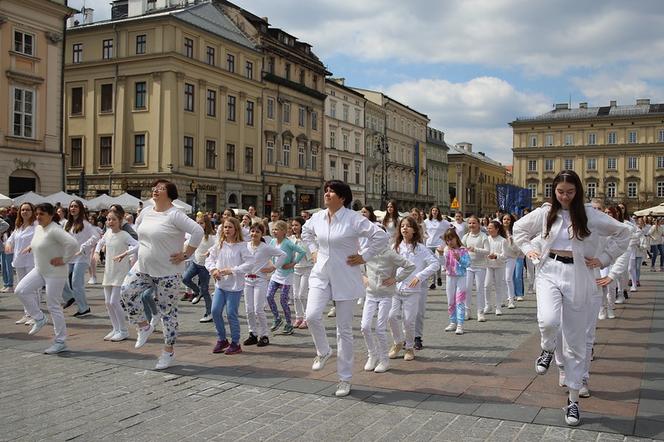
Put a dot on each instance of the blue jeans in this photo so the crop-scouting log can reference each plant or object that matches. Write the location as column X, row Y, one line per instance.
column 654, row 250
column 149, row 305
column 230, row 300
column 7, row 269
column 203, row 287
column 518, row 276
column 75, row 286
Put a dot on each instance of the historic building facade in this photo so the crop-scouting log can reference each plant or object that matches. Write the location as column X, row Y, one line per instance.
column 437, row 165
column 31, row 45
column 617, row 150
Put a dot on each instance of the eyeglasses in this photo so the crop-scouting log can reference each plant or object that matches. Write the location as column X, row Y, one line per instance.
column 158, row 189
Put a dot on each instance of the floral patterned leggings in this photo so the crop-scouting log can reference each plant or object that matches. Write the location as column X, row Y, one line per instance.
column 165, row 289
column 271, row 291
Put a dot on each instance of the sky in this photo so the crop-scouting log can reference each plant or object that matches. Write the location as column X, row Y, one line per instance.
column 473, row 66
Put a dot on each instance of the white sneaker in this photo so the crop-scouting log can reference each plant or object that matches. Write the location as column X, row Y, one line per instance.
column 467, row 314
column 92, row 281
column 142, row 335
column 499, row 312
column 343, row 389
column 109, row 335
column 610, row 313
column 120, row 336
column 154, row 322
column 23, row 320
column 480, row 317
column 319, row 361
column 332, row 313
column 620, row 299
column 206, row 318
column 487, row 309
column 602, row 314
column 459, row 330
column 57, row 347
column 371, row 364
column 39, row 323
column 382, row 366
column 519, row 298
column 30, row 322
column 583, row 391
column 511, row 305
column 633, row 289
column 360, row 301
column 451, row 327
column 165, row 360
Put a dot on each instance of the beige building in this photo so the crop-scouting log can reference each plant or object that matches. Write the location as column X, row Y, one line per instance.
column 171, row 92
column 437, row 166
column 617, row 150
column 31, row 43
column 374, row 132
column 344, row 138
column 473, row 178
column 292, row 127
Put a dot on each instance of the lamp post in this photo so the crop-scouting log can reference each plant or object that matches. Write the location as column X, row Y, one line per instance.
column 480, row 181
column 383, row 148
column 194, row 188
column 110, row 178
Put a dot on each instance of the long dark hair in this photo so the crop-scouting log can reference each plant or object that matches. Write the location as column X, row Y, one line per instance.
column 499, row 227
column 417, row 233
column 372, row 215
column 394, row 218
column 577, row 209
column 48, row 209
column 440, row 215
column 75, row 225
column 512, row 221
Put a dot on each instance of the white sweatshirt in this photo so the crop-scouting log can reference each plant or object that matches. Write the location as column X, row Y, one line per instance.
column 51, row 242
column 497, row 246
column 480, row 244
column 19, row 240
column 235, row 256
column 87, row 240
column 262, row 256
column 426, row 265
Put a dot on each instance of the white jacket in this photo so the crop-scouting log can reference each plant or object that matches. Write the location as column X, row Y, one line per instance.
column 480, row 245
column 426, row 265
column 235, row 256
column 388, row 264
column 497, row 246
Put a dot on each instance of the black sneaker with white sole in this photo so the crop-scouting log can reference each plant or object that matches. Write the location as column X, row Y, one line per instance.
column 81, row 314
column 543, row 362
column 572, row 413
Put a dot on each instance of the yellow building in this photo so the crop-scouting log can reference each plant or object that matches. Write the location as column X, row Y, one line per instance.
column 31, row 43
column 617, row 150
column 292, row 127
column 172, row 92
column 472, row 179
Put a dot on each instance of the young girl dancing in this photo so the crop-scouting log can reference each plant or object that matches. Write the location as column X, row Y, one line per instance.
column 456, row 260
column 196, row 267
column 495, row 272
column 300, row 275
column 477, row 244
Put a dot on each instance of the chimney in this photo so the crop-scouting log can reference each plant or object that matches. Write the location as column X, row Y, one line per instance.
column 560, row 106
column 583, row 105
column 265, row 19
column 71, row 22
column 88, row 15
column 643, row 101
column 613, row 103
column 481, row 153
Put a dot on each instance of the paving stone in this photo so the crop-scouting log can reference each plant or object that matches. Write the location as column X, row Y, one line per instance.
column 449, row 404
column 514, row 412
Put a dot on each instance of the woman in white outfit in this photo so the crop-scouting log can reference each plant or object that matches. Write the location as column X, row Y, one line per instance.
column 513, row 253
column 301, row 273
column 435, row 227
column 569, row 249
column 477, row 243
column 333, row 237
column 495, row 272
column 20, row 239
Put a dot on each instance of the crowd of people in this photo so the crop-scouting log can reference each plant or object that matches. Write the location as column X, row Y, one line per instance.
column 580, row 260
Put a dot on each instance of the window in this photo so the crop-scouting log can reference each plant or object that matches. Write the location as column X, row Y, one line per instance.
column 345, row 141
column 286, row 112
column 270, row 108
column 188, row 48
column 249, row 70
column 302, row 76
column 301, row 116
column 106, row 98
column 660, row 189
column 301, row 156
column 591, row 164
column 357, row 144
column 611, row 163
column 632, row 163
column 533, row 141
column 230, row 157
column 210, row 154
column 333, row 109
column 611, row 138
column 660, row 162
column 548, row 140
column 287, row 71
column 660, row 136
column 250, row 113
column 270, row 152
column 77, row 53
column 24, row 103
column 189, row 97
column 139, row 149
column 358, row 172
column 23, row 43
column 210, row 52
column 230, row 62
column 107, row 49
column 211, row 103
column 231, row 108
column 314, row 120
column 77, row 101
column 548, row 190
column 189, row 151
column 533, row 190
column 548, row 165
column 632, row 137
column 249, row 160
column 105, row 151
column 357, row 117
column 314, row 158
column 270, row 65
column 141, row 43
column 76, row 152
column 568, row 164
column 592, row 139
column 611, row 190
column 140, row 93
column 333, row 168
column 591, row 189
column 632, row 189
column 286, row 155
column 333, row 139
column 532, row 165
column 569, row 139
column 346, row 167
column 345, row 111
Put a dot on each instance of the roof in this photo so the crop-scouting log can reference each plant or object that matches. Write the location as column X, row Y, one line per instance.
column 453, row 150
column 595, row 112
column 387, row 100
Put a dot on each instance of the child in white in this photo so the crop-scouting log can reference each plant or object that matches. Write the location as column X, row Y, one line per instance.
column 477, row 243
column 20, row 240
column 300, row 275
column 512, row 253
column 495, row 272
column 456, row 260
column 118, row 245
column 405, row 304
column 383, row 271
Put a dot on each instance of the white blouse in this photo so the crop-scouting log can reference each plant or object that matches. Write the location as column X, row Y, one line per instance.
column 262, row 256
column 434, row 231
column 87, row 240
column 116, row 244
column 235, row 256
column 19, row 240
column 426, row 265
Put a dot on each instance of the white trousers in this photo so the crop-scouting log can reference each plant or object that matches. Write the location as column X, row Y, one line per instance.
column 421, row 310
column 21, row 272
column 26, row 289
column 316, row 303
column 530, row 268
column 115, row 311
column 555, row 289
column 255, row 299
column 477, row 274
column 404, row 308
column 376, row 338
column 300, row 291
column 591, row 328
column 510, row 263
column 495, row 276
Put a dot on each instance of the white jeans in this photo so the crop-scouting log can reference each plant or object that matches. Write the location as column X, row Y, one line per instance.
column 555, row 287
column 421, row 310
column 530, row 267
column 300, row 291
column 477, row 274
column 376, row 338
column 404, row 307
column 495, row 276
column 510, row 263
column 115, row 311
column 26, row 289
column 318, row 300
column 255, row 299
column 21, row 272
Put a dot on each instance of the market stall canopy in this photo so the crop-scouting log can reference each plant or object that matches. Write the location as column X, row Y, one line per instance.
column 128, row 202
column 186, row 208
column 103, row 201
column 30, row 197
column 5, row 201
column 653, row 211
column 63, row 198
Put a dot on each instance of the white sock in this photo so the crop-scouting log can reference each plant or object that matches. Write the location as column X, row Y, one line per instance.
column 573, row 395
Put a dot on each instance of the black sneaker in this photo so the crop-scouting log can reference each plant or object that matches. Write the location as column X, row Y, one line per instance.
column 196, row 299
column 68, row 303
column 572, row 414
column 418, row 343
column 440, row 282
column 543, row 362
column 625, row 294
column 251, row 340
column 276, row 324
column 83, row 313
column 432, row 286
column 263, row 341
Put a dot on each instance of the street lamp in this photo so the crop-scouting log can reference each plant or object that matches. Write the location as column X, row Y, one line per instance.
column 480, row 181
column 383, row 148
column 194, row 188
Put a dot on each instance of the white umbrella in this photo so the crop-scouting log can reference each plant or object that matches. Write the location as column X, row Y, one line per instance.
column 5, row 201
column 103, row 201
column 29, row 197
column 653, row 211
column 128, row 202
column 186, row 208
column 239, row 212
column 63, row 198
